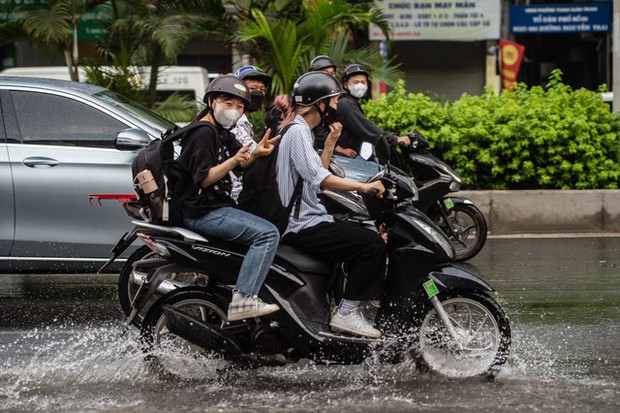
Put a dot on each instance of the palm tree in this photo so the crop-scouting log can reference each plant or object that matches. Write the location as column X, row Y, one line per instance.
column 52, row 25
column 284, row 45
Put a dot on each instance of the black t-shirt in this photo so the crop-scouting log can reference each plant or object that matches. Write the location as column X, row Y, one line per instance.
column 356, row 128
column 202, row 149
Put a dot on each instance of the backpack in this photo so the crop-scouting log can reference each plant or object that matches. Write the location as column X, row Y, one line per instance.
column 154, row 177
column 260, row 195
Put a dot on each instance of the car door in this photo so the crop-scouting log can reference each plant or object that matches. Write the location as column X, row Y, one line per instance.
column 7, row 211
column 64, row 151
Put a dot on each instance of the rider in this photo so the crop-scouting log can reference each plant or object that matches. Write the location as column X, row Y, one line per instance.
column 203, row 188
column 314, row 102
column 257, row 82
column 356, row 128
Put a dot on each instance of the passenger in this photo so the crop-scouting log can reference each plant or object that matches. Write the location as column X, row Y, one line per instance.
column 356, row 128
column 257, row 82
column 204, row 186
column 321, row 63
column 311, row 229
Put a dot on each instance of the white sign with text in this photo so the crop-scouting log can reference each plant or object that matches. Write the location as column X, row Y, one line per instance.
column 440, row 20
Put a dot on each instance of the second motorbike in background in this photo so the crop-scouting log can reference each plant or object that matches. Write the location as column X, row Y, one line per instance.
column 458, row 217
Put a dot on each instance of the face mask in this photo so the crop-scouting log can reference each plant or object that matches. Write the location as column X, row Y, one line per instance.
column 328, row 116
column 225, row 117
column 256, row 101
column 358, row 90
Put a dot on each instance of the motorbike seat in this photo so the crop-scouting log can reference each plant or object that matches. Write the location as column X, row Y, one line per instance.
column 175, row 231
column 303, row 262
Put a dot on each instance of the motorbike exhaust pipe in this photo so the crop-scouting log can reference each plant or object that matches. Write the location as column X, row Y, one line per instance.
column 199, row 333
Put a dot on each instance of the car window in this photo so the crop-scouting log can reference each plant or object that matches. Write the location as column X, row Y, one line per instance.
column 146, row 115
column 47, row 119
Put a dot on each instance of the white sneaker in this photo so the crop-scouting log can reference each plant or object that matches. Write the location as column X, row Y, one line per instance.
column 353, row 323
column 246, row 306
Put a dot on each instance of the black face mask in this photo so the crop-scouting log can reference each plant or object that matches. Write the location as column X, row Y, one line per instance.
column 256, row 101
column 328, row 116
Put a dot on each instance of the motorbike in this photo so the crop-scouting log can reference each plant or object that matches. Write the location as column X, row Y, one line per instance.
column 458, row 217
column 443, row 317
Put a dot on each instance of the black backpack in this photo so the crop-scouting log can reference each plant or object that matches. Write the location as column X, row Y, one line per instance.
column 260, row 195
column 154, row 176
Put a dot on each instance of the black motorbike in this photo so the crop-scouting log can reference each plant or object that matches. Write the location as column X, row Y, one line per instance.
column 458, row 217
column 442, row 316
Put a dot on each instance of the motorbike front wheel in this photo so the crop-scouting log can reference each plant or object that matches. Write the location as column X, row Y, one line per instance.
column 465, row 226
column 482, row 340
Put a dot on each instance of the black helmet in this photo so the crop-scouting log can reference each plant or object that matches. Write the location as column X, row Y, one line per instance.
column 354, row 69
column 321, row 62
column 253, row 72
column 312, row 87
column 228, row 84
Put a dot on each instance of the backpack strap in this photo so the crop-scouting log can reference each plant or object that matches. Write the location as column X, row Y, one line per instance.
column 172, row 134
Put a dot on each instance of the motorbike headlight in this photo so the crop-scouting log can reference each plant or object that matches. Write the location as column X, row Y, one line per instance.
column 438, row 237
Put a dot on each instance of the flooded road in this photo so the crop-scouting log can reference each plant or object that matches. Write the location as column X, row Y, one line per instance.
column 62, row 351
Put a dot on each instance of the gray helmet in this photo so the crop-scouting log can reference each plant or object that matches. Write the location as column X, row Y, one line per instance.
column 354, row 69
column 321, row 62
column 230, row 85
column 312, row 87
column 253, row 72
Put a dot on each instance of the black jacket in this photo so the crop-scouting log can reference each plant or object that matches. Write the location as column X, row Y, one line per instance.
column 356, row 128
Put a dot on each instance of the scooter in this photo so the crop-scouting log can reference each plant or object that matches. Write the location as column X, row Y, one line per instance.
column 458, row 217
column 442, row 316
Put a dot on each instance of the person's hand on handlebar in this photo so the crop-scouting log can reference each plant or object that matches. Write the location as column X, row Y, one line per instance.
column 373, row 188
column 404, row 140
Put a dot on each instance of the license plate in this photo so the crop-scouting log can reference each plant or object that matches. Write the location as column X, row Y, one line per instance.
column 430, row 288
column 448, row 203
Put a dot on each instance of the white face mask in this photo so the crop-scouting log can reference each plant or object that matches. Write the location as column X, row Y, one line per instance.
column 358, row 90
column 226, row 117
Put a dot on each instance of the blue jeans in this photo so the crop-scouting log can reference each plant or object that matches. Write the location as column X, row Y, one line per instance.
column 235, row 225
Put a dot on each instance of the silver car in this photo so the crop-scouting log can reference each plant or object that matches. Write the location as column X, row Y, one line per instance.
column 59, row 142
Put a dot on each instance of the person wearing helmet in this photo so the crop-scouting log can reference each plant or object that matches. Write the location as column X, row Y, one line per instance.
column 323, row 63
column 313, row 102
column 356, row 128
column 208, row 154
column 257, row 82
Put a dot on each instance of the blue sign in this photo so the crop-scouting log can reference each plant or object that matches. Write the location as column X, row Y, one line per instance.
column 561, row 18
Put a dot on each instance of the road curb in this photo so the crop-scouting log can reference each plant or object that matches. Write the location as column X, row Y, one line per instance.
column 549, row 211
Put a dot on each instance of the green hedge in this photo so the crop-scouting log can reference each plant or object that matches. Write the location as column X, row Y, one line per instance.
column 530, row 138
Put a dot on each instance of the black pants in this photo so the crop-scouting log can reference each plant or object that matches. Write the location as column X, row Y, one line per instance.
column 363, row 250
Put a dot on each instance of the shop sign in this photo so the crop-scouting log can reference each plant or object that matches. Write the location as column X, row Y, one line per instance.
column 439, row 20
column 561, row 18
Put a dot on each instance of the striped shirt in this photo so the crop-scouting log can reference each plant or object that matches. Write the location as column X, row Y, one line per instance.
column 297, row 158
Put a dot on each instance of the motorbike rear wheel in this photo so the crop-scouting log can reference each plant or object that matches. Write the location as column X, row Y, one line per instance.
column 127, row 288
column 196, row 302
column 483, row 334
column 132, row 276
column 466, row 228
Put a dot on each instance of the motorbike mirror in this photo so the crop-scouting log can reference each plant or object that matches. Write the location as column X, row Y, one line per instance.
column 131, row 139
column 366, row 151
